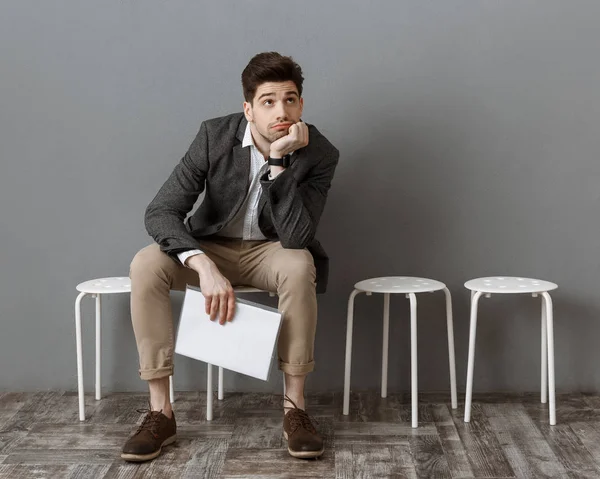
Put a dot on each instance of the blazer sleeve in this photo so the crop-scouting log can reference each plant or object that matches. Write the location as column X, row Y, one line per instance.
column 165, row 215
column 296, row 207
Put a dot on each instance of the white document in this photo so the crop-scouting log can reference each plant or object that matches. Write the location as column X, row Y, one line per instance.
column 246, row 345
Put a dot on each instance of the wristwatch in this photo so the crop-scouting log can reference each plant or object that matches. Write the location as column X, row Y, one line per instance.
column 285, row 161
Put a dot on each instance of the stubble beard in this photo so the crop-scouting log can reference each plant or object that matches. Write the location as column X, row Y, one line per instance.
column 272, row 137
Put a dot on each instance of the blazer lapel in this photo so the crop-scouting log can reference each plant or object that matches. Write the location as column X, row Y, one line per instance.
column 240, row 178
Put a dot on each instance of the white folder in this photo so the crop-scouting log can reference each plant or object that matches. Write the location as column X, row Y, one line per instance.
column 246, row 345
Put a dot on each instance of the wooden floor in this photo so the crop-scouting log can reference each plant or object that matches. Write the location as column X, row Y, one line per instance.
column 509, row 436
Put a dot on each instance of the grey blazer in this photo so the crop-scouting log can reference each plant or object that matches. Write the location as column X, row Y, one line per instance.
column 289, row 208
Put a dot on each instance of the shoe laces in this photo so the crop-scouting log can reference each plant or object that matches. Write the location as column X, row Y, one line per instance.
column 150, row 422
column 299, row 418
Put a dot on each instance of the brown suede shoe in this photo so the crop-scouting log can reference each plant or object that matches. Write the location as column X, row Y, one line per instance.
column 156, row 431
column 303, row 439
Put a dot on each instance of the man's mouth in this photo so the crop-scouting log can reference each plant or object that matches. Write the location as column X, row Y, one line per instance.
column 281, row 126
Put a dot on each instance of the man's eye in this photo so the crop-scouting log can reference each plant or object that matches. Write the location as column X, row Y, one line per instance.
column 291, row 100
column 268, row 102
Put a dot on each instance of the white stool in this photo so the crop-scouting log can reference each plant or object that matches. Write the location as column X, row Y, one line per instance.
column 96, row 288
column 103, row 286
column 513, row 285
column 408, row 286
column 209, row 378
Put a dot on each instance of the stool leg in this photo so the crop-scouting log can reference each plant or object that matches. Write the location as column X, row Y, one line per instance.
column 414, row 391
column 220, row 396
column 78, row 341
column 474, row 303
column 349, row 324
column 544, row 385
column 209, row 393
column 550, row 331
column 451, row 357
column 98, row 347
column 385, row 348
column 171, row 390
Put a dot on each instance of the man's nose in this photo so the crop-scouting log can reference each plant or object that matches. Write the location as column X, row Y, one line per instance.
column 281, row 112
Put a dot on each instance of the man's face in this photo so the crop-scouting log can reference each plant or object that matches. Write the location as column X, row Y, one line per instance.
column 276, row 106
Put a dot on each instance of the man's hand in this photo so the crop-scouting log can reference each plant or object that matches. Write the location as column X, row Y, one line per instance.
column 295, row 139
column 216, row 288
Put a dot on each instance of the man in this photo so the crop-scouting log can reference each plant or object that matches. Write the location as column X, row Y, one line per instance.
column 265, row 175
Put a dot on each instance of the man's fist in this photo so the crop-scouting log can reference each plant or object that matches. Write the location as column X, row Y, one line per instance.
column 296, row 138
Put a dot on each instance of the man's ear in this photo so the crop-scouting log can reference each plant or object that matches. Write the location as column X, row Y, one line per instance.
column 248, row 111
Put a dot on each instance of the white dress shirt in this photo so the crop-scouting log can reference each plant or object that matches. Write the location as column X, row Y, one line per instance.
column 245, row 223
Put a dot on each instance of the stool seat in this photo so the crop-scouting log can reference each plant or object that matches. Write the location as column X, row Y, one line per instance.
column 399, row 284
column 121, row 284
column 509, row 285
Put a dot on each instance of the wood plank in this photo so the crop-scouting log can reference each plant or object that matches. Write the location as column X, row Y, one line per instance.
column 371, row 461
column 275, row 463
column 61, row 457
column 483, row 449
column 344, row 468
column 570, row 451
column 207, row 430
column 127, row 470
column 20, row 409
column 8, row 441
column 48, row 408
column 87, row 471
column 323, row 405
column 371, row 407
column 235, row 405
column 344, row 430
column 10, row 404
column 522, row 442
column 21, row 471
column 251, row 432
column 208, row 458
column 146, row 470
column 424, row 413
column 76, row 436
column 428, row 457
column 456, row 455
column 569, row 408
column 589, row 434
column 163, row 471
column 592, row 400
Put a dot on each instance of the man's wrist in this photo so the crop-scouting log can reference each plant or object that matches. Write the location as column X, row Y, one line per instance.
column 199, row 262
column 276, row 153
column 275, row 171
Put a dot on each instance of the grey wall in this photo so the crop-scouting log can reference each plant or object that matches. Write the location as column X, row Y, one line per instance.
column 469, row 139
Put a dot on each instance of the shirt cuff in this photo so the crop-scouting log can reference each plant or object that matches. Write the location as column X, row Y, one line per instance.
column 187, row 254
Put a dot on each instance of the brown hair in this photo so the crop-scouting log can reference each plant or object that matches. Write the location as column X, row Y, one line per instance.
column 270, row 67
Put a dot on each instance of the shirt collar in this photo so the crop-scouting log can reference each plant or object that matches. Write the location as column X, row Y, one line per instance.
column 247, row 141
